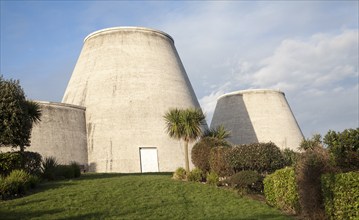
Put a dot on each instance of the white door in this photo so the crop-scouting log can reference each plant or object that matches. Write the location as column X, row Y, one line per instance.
column 149, row 161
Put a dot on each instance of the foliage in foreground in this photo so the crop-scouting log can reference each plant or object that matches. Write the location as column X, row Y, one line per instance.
column 185, row 124
column 196, row 175
column 220, row 133
column 146, row 196
column 51, row 170
column 247, row 181
column 341, row 195
column 179, row 174
column 212, row 178
column 312, row 164
column 26, row 160
column 281, row 191
column 344, row 148
column 17, row 115
column 17, row 183
column 261, row 157
column 219, row 163
column 201, row 152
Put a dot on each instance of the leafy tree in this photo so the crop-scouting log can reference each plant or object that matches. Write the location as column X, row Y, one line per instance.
column 184, row 124
column 219, row 132
column 17, row 115
column 310, row 143
column 202, row 149
column 344, row 148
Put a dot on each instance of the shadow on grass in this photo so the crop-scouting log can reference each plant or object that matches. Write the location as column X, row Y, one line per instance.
column 93, row 176
column 4, row 214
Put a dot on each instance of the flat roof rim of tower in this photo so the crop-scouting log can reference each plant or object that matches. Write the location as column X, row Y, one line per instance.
column 247, row 91
column 60, row 104
column 113, row 29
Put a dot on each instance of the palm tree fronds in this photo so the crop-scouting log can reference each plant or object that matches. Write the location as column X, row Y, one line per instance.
column 34, row 111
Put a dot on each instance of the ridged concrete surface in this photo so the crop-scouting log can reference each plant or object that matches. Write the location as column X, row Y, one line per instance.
column 61, row 133
column 127, row 78
column 258, row 116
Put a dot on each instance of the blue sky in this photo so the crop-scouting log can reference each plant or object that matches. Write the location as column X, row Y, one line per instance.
column 307, row 49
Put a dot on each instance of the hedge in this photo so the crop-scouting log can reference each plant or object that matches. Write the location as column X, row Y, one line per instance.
column 219, row 163
column 261, row 157
column 27, row 161
column 17, row 183
column 280, row 190
column 341, row 195
column 201, row 152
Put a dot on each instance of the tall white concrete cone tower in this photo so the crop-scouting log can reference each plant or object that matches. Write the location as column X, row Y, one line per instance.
column 254, row 116
column 127, row 78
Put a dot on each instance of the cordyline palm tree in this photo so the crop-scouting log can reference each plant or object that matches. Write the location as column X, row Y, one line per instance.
column 33, row 116
column 184, row 124
column 219, row 132
column 34, row 111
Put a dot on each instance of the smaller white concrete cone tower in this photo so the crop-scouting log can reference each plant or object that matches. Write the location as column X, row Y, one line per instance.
column 127, row 78
column 261, row 115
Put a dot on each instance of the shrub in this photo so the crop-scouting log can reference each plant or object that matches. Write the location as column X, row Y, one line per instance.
column 280, row 190
column 218, row 161
column 48, row 168
column 261, row 157
column 341, row 195
column 16, row 183
column 246, row 181
column 33, row 181
column 344, row 148
column 9, row 161
column 196, row 175
column 179, row 174
column 201, row 152
column 28, row 161
column 31, row 162
column 76, row 167
column 64, row 172
column 212, row 178
column 311, row 165
column 290, row 157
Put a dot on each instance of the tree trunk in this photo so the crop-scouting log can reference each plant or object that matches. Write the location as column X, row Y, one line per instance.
column 186, row 156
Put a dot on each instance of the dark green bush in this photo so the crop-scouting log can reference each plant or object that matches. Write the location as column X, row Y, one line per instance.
column 196, row 175
column 280, row 190
column 212, row 178
column 33, row 181
column 48, row 168
column 31, row 162
column 179, row 174
column 64, row 172
column 261, row 157
column 341, row 195
column 9, row 161
column 311, row 165
column 16, row 184
column 246, row 181
column 290, row 157
column 344, row 148
column 28, row 161
column 218, row 161
column 201, row 152
column 76, row 167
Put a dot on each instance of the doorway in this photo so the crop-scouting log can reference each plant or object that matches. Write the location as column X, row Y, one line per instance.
column 149, row 160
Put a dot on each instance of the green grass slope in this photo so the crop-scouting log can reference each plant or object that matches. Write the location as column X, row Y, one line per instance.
column 133, row 196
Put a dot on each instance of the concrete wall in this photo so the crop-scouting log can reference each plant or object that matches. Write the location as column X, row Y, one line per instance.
column 258, row 116
column 127, row 78
column 61, row 133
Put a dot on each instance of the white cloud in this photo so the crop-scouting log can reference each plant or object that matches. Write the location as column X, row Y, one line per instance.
column 313, row 72
column 208, row 102
column 320, row 62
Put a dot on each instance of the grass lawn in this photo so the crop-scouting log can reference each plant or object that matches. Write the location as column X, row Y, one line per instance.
column 133, row 196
